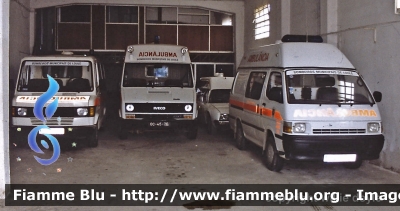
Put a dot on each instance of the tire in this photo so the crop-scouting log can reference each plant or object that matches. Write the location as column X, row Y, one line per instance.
column 122, row 132
column 211, row 128
column 94, row 138
column 271, row 158
column 353, row 165
column 191, row 133
column 240, row 140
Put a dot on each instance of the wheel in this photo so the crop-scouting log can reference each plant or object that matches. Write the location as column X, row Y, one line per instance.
column 211, row 128
column 122, row 132
column 271, row 158
column 94, row 138
column 191, row 133
column 241, row 141
column 353, row 165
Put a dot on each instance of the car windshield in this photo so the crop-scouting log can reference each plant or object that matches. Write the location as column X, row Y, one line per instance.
column 157, row 75
column 219, row 96
column 326, row 87
column 72, row 76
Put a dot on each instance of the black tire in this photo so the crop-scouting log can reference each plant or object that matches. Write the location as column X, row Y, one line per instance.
column 122, row 132
column 353, row 165
column 94, row 138
column 191, row 133
column 211, row 128
column 271, row 158
column 241, row 142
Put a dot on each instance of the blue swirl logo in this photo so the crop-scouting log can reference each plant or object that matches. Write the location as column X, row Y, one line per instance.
column 49, row 112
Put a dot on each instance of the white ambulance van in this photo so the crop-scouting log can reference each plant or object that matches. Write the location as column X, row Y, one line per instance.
column 214, row 102
column 81, row 108
column 158, row 90
column 304, row 101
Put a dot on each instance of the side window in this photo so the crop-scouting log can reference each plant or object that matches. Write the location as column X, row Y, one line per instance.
column 274, row 87
column 255, row 85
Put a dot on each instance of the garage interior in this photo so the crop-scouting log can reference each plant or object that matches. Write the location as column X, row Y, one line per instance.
column 217, row 33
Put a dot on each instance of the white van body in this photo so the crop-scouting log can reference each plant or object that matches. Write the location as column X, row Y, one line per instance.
column 158, row 90
column 214, row 102
column 81, row 108
column 304, row 101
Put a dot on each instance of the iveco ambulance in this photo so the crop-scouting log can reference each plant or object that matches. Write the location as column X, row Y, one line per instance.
column 214, row 101
column 304, row 101
column 80, row 111
column 157, row 90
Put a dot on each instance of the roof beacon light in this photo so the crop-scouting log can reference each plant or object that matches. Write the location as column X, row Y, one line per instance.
column 184, row 50
column 130, row 49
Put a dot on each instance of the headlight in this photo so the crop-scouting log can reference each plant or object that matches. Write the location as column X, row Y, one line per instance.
column 373, row 127
column 188, row 108
column 129, row 107
column 82, row 111
column 21, row 111
column 299, row 127
column 223, row 117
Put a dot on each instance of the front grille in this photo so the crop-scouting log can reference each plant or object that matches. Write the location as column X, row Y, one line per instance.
column 54, row 121
column 161, row 107
column 60, row 112
column 338, row 131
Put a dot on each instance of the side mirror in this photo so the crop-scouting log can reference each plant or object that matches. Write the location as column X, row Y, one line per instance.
column 377, row 96
column 275, row 94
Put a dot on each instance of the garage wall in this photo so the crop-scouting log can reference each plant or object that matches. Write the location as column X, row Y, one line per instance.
column 231, row 6
column 275, row 28
column 4, row 111
column 369, row 35
column 305, row 17
column 19, row 32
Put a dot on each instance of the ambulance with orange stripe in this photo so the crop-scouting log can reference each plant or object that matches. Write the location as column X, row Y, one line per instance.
column 304, row 101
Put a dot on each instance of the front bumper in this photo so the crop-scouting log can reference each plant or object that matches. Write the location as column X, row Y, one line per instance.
column 221, row 123
column 315, row 147
column 70, row 132
column 158, row 124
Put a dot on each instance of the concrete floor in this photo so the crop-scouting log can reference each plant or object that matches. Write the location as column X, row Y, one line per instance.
column 167, row 158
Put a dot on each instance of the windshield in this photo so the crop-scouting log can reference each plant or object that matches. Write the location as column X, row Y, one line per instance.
column 326, row 87
column 219, row 96
column 157, row 75
column 72, row 76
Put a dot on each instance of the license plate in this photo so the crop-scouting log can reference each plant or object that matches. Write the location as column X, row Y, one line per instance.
column 340, row 158
column 159, row 124
column 52, row 131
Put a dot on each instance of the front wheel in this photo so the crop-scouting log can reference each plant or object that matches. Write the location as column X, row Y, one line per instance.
column 353, row 165
column 211, row 128
column 241, row 141
column 94, row 138
column 122, row 132
column 271, row 158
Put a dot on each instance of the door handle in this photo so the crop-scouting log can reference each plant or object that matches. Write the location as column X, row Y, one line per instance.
column 273, row 111
column 263, row 104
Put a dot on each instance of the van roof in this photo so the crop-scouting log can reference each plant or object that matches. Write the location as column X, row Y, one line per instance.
column 296, row 55
column 61, row 57
column 157, row 53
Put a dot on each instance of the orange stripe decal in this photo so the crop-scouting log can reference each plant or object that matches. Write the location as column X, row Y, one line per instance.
column 267, row 112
